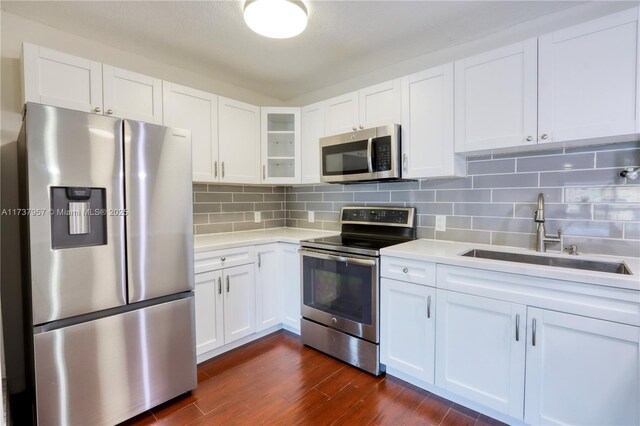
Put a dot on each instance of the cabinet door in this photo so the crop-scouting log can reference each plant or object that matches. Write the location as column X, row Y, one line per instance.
column 291, row 286
column 341, row 114
column 581, row 370
column 380, row 105
column 588, row 79
column 62, row 80
column 239, row 142
column 427, row 131
column 131, row 95
column 496, row 98
column 268, row 291
column 239, row 302
column 197, row 111
column 407, row 340
column 480, row 350
column 280, row 145
column 312, row 130
column 209, row 319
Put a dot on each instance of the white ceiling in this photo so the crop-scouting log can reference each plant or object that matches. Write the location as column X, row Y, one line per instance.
column 343, row 39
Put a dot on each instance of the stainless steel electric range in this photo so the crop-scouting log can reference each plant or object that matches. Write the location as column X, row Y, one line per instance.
column 341, row 283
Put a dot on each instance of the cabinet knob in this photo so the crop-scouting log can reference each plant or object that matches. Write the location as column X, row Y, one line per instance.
column 97, row 109
column 544, row 136
column 405, row 270
column 109, row 111
column 355, row 128
column 223, row 259
column 361, row 127
column 529, row 138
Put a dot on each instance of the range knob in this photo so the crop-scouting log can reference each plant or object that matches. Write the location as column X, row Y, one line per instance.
column 334, row 320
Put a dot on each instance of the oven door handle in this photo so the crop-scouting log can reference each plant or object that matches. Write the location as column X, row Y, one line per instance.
column 370, row 155
column 346, row 259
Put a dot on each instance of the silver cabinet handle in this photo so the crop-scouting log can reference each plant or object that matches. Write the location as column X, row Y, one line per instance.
column 533, row 332
column 97, row 109
column 429, row 306
column 223, row 258
column 405, row 270
column 215, row 168
column 264, row 172
column 529, row 138
column 227, row 283
column 405, row 163
column 109, row 111
column 219, row 285
column 544, row 136
column 259, row 260
column 355, row 128
column 517, row 327
column 223, row 170
column 361, row 127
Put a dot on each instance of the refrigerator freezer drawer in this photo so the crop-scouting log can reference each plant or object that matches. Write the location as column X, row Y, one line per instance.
column 105, row 371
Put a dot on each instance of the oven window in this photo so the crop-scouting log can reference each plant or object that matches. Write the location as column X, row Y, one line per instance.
column 340, row 289
column 345, row 159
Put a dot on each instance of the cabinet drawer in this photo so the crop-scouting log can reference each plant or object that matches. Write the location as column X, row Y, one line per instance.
column 218, row 259
column 413, row 271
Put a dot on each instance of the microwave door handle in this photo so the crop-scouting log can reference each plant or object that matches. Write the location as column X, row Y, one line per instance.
column 370, row 155
column 351, row 260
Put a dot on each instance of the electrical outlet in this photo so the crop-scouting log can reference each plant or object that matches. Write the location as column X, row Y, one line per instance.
column 441, row 223
column 312, row 217
column 257, row 217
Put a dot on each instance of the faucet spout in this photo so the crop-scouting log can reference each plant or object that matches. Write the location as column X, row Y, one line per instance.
column 539, row 215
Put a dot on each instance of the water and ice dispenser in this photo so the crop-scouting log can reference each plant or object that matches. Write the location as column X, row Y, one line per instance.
column 78, row 217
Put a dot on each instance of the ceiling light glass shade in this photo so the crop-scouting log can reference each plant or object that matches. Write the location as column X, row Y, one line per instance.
column 276, row 18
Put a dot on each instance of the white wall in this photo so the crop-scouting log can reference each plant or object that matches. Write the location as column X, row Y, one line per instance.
column 533, row 28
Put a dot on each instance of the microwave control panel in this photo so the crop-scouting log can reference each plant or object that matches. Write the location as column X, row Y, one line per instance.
column 383, row 154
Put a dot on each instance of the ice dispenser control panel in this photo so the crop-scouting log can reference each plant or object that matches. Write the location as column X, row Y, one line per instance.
column 78, row 217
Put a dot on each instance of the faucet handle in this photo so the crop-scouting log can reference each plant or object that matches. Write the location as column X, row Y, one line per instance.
column 572, row 249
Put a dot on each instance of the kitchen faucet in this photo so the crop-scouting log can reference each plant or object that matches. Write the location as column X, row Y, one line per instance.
column 541, row 237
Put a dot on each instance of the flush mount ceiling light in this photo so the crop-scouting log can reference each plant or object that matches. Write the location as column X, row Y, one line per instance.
column 276, row 18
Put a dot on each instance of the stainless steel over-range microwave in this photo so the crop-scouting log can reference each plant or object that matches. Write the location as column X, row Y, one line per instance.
column 364, row 155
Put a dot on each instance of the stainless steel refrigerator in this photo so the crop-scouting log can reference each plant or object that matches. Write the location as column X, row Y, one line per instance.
column 108, row 265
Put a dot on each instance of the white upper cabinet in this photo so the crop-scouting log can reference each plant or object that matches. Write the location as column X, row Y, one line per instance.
column 58, row 79
column 341, row 114
column 280, row 145
column 66, row 81
column 380, row 105
column 131, row 95
column 239, row 139
column 581, row 371
column 373, row 106
column 197, row 111
column 427, row 131
column 312, row 130
column 496, row 98
column 588, row 78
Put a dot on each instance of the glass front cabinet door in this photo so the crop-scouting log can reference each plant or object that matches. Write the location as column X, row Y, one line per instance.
column 280, row 145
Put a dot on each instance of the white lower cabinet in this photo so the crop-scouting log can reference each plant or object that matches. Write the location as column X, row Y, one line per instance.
column 268, row 291
column 291, row 286
column 480, row 350
column 581, row 370
column 225, row 306
column 408, row 326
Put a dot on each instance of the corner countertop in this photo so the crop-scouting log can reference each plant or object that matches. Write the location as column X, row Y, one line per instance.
column 448, row 252
column 262, row 236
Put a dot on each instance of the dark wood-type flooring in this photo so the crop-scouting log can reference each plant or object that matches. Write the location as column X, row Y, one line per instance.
column 278, row 381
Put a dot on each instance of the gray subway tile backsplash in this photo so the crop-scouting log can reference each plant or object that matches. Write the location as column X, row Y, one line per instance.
column 494, row 204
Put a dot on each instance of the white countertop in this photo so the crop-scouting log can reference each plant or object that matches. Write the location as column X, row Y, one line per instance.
column 263, row 236
column 448, row 252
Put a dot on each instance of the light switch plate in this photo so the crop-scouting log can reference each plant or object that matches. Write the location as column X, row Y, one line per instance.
column 312, row 217
column 257, row 217
column 441, row 223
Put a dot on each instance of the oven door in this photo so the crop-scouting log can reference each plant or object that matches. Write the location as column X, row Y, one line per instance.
column 341, row 292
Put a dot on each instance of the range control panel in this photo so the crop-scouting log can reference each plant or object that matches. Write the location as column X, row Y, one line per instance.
column 390, row 216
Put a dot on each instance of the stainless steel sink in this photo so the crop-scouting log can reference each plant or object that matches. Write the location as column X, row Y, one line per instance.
column 562, row 262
